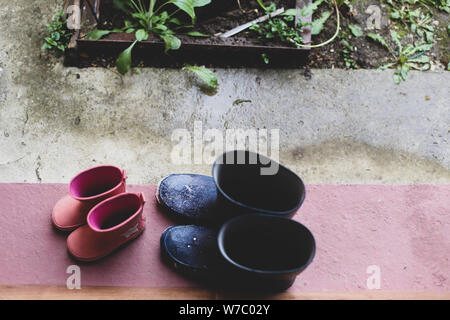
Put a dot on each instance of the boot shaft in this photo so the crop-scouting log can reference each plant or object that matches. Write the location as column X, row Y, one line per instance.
column 97, row 184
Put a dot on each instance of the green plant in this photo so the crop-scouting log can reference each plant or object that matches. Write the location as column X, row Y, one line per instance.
column 422, row 27
column 288, row 29
column 59, row 36
column 416, row 20
column 347, row 54
column 379, row 39
column 261, row 4
column 318, row 24
column 283, row 28
column 355, row 30
column 443, row 5
column 410, row 56
column 152, row 19
column 206, row 75
column 416, row 15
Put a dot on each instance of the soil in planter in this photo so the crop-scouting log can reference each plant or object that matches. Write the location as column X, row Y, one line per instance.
column 367, row 55
column 249, row 10
column 111, row 18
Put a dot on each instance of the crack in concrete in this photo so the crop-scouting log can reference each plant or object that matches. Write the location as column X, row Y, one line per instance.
column 38, row 175
column 11, row 162
column 25, row 122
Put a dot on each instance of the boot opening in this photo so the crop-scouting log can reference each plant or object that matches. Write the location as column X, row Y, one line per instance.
column 114, row 211
column 95, row 181
column 267, row 243
column 240, row 176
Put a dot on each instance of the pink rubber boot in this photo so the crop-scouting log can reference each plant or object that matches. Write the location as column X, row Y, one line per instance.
column 86, row 190
column 110, row 224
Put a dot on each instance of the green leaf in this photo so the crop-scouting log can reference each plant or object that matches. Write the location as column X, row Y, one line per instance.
column 387, row 66
column 377, row 38
column 201, row 3
column 396, row 38
column 420, row 33
column 128, row 24
column 289, row 18
column 197, row 34
column 415, row 13
column 271, row 7
column 123, row 63
column 346, row 44
column 205, row 74
column 429, row 36
column 408, row 50
column 404, row 71
column 317, row 25
column 163, row 16
column 421, row 60
column 291, row 12
column 171, row 42
column 356, row 30
column 395, row 15
column 160, row 27
column 56, row 36
column 189, row 5
column 175, row 21
column 265, row 58
column 51, row 41
column 422, row 47
column 141, row 35
column 186, row 6
column 397, row 78
column 97, row 34
column 46, row 46
column 428, row 28
column 309, row 9
column 261, row 4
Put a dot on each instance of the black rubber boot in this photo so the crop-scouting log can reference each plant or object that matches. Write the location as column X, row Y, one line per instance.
column 189, row 198
column 250, row 252
column 243, row 182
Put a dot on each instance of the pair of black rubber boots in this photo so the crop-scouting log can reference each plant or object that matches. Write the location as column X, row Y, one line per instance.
column 238, row 233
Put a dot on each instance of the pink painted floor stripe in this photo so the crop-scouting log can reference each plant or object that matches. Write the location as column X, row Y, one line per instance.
column 404, row 230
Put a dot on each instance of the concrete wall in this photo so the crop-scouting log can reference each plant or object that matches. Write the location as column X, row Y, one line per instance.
column 336, row 127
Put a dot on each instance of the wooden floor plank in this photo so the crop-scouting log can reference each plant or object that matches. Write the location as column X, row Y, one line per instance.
column 115, row 293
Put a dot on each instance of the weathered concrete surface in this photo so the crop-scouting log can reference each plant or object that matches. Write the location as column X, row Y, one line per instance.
column 338, row 127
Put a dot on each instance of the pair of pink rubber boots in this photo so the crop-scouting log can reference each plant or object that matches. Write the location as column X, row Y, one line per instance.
column 99, row 211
